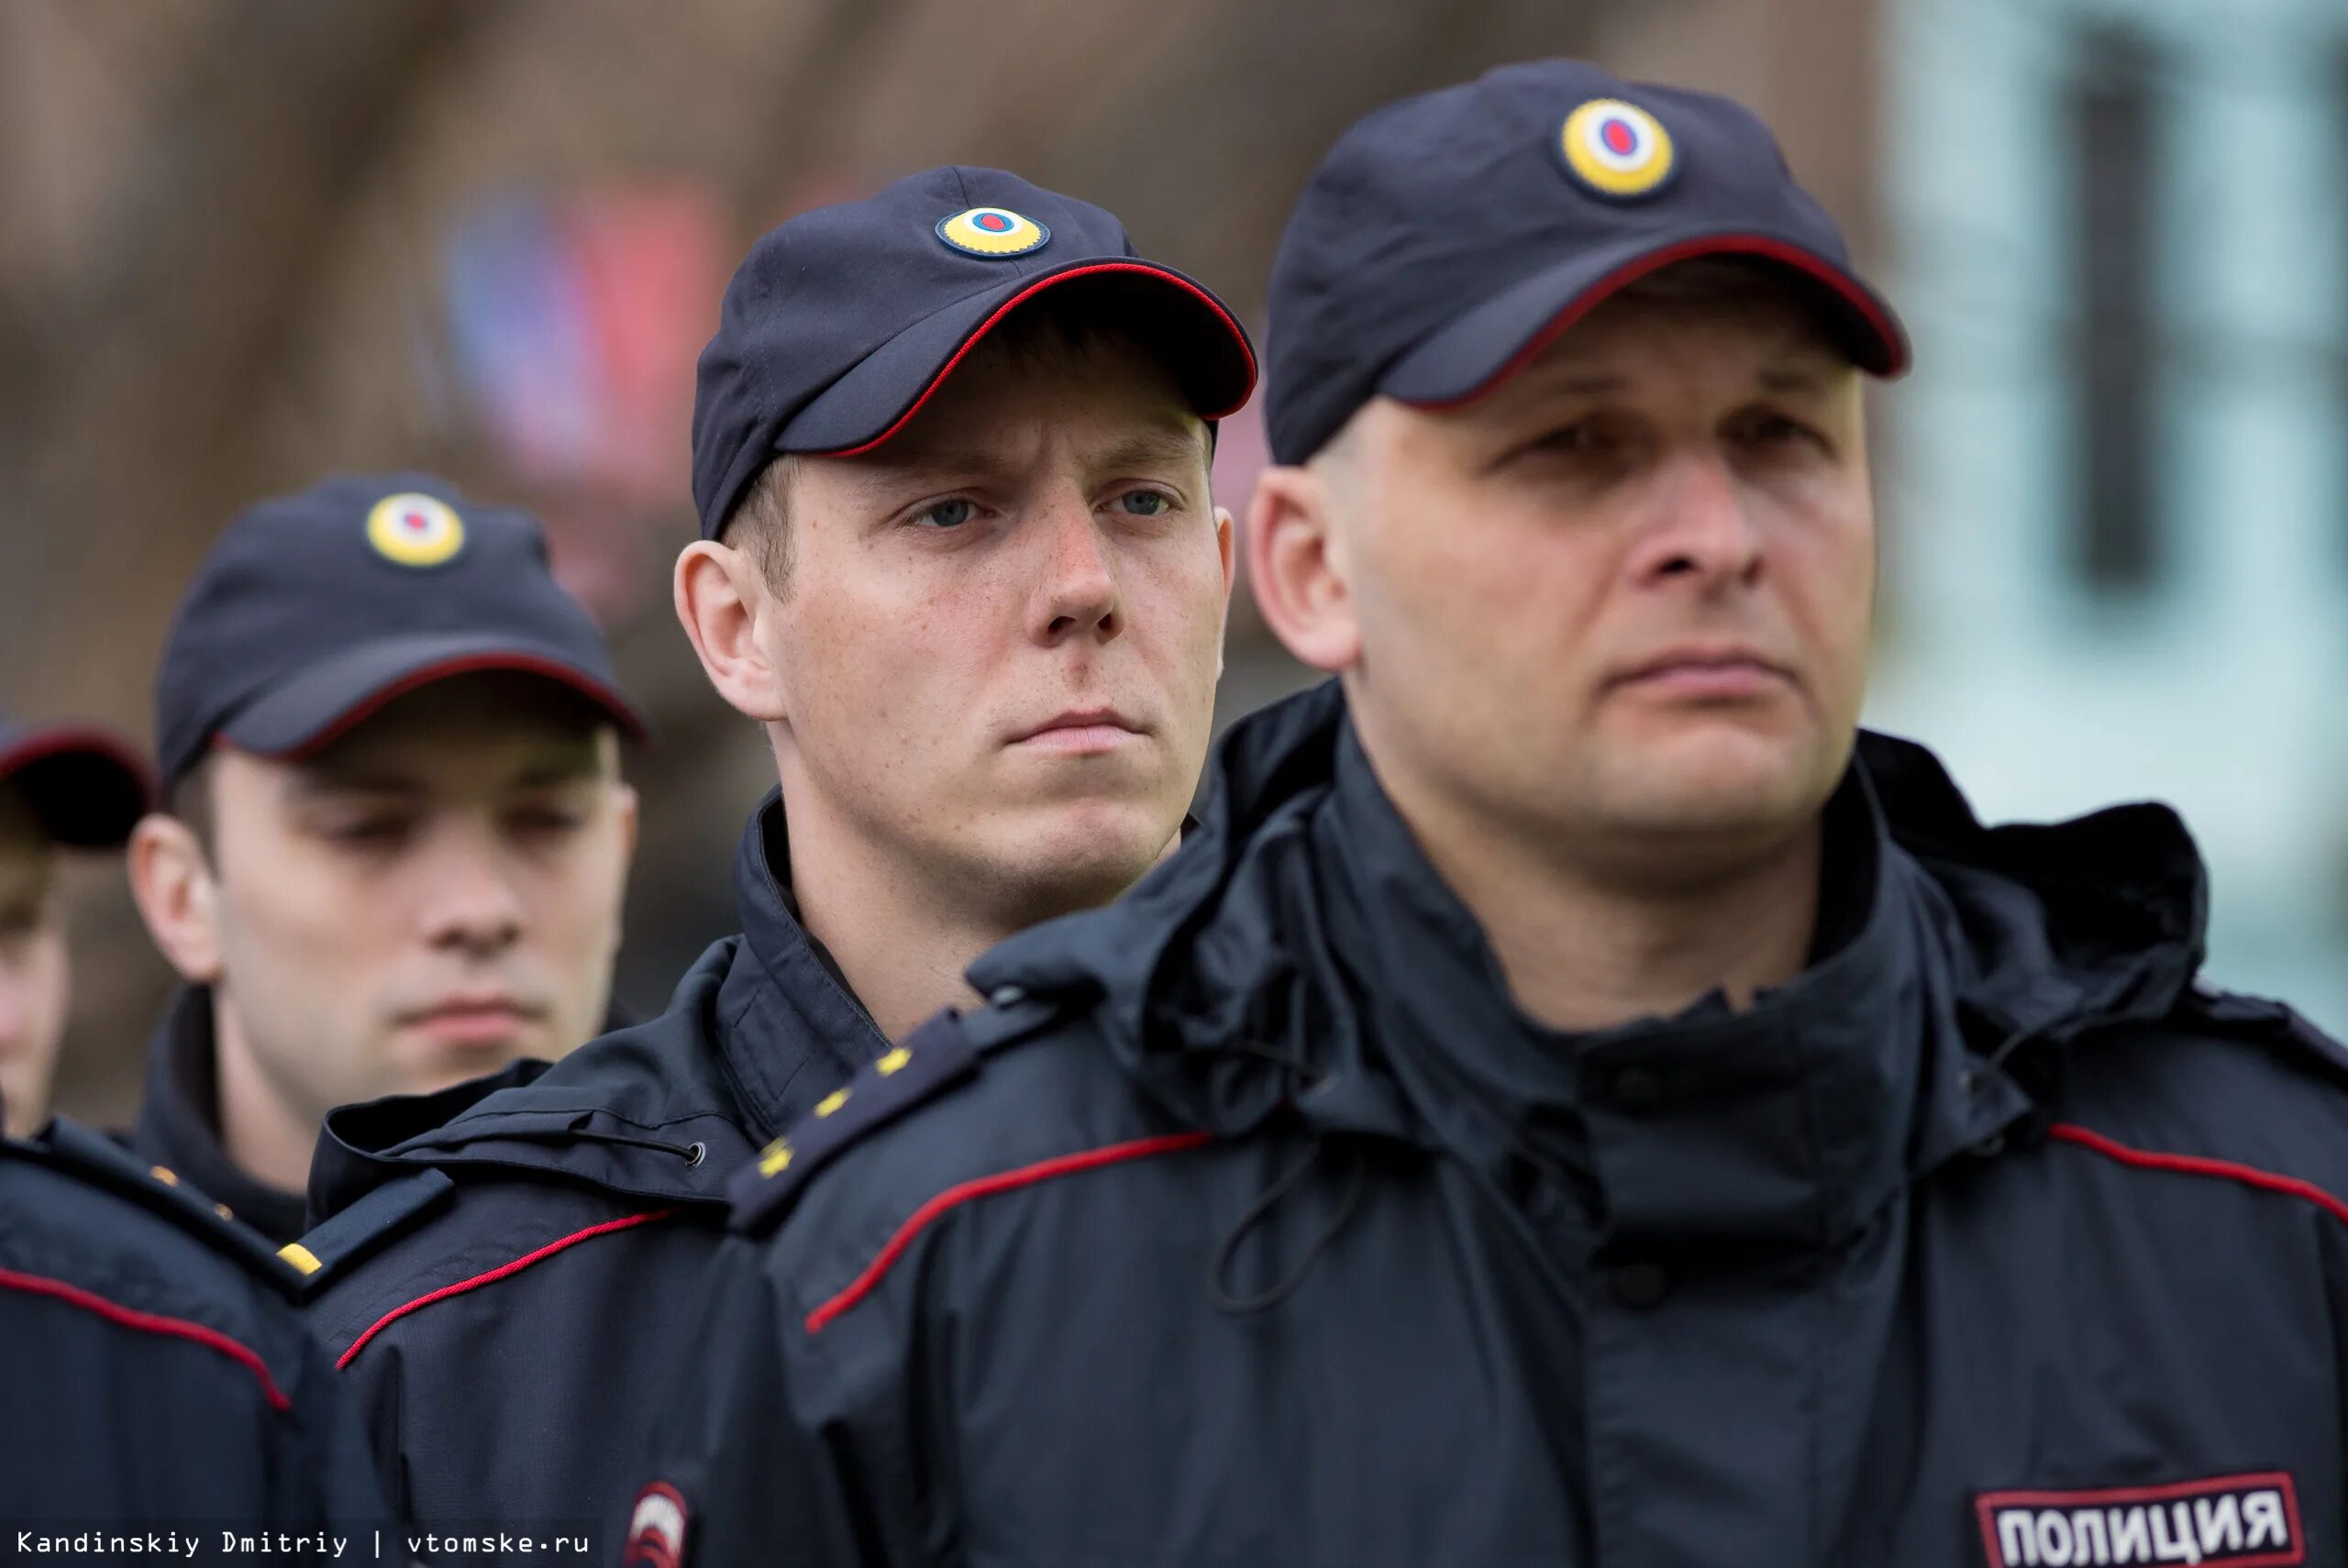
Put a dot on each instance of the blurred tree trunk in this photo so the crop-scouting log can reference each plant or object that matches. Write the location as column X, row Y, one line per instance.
column 123, row 394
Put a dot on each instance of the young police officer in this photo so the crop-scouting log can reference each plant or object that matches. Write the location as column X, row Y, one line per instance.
column 61, row 786
column 396, row 838
column 153, row 1373
column 1566, row 1106
column 960, row 560
column 156, row 1382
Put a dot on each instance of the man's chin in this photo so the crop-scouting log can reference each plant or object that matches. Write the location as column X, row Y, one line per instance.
column 437, row 1067
column 1071, row 854
column 1726, row 781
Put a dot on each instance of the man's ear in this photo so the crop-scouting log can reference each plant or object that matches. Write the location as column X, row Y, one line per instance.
column 178, row 894
column 630, row 812
column 1226, row 541
column 721, row 594
column 1296, row 565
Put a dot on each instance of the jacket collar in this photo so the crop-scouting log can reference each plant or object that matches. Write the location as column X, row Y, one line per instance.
column 179, row 1119
column 1790, row 1122
column 759, row 1030
column 1299, row 956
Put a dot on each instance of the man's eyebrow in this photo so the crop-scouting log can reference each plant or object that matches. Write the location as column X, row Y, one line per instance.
column 310, row 783
column 1575, row 380
column 1807, row 374
column 570, row 765
column 934, row 462
column 1159, row 443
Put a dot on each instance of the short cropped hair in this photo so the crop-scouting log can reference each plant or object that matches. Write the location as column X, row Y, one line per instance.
column 189, row 798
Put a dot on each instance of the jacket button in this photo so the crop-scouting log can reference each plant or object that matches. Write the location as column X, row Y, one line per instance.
column 1638, row 1285
column 1638, row 1091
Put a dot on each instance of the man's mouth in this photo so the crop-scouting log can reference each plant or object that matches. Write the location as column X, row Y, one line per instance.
column 473, row 1022
column 1079, row 730
column 1722, row 673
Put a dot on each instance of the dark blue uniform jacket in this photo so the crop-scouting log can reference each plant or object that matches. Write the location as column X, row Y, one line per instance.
column 508, row 1272
column 154, row 1372
column 1264, row 1229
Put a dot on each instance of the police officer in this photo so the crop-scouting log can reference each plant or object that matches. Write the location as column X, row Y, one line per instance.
column 958, row 558
column 157, row 1386
column 1576, row 1100
column 61, row 786
column 395, row 835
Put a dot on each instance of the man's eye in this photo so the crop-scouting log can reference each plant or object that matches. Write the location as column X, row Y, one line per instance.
column 1584, row 436
column 367, row 831
column 1777, row 430
column 950, row 514
column 544, row 819
column 1147, row 502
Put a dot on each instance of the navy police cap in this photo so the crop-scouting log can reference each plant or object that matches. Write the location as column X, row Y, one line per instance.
column 1450, row 237
column 844, row 320
column 86, row 788
column 314, row 610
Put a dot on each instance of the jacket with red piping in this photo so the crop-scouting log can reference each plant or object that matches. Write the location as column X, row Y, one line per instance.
column 508, row 1271
column 154, row 1372
column 1257, row 1225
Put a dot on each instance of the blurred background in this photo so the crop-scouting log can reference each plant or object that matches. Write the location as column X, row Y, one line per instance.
column 244, row 242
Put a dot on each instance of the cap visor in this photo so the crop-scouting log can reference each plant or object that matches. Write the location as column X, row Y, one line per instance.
column 330, row 697
column 87, row 789
column 1196, row 337
column 1480, row 350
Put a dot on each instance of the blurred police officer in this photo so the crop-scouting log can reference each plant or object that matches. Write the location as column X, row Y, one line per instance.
column 959, row 560
column 1568, row 1105
column 157, row 1385
column 395, row 835
column 61, row 787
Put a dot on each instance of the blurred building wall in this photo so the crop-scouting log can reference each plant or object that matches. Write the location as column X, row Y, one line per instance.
column 2119, row 515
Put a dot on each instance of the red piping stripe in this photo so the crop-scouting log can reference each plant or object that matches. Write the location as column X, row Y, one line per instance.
column 1711, row 245
column 148, row 1323
column 493, row 1275
column 1007, row 306
column 863, row 1283
column 2195, row 1165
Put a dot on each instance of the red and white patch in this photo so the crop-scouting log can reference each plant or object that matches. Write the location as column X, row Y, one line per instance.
column 2241, row 1521
column 656, row 1529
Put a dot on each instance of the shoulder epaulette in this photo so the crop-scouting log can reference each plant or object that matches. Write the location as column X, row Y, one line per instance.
column 940, row 1054
column 100, row 1161
column 351, row 1234
column 930, row 1059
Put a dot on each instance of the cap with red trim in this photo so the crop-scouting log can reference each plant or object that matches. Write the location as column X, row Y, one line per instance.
column 1447, row 237
column 86, row 788
column 314, row 610
column 845, row 318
